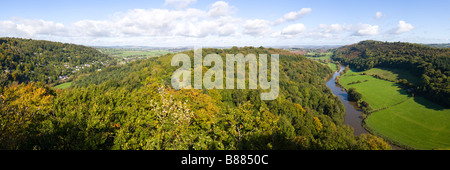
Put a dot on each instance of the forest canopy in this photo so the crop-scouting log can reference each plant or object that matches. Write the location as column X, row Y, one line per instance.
column 133, row 107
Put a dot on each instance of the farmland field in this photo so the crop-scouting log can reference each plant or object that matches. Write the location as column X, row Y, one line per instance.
column 417, row 123
column 378, row 93
column 64, row 85
column 333, row 66
column 393, row 74
column 411, row 122
column 322, row 57
column 145, row 53
column 319, row 56
column 126, row 55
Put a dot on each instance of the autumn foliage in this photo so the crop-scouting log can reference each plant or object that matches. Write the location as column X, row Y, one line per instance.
column 133, row 107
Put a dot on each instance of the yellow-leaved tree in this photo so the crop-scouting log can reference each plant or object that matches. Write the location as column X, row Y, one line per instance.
column 22, row 108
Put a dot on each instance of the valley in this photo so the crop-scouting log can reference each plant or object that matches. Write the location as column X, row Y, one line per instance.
column 118, row 103
column 394, row 105
column 225, row 84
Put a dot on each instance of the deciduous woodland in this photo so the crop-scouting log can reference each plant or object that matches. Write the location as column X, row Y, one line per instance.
column 25, row 60
column 133, row 106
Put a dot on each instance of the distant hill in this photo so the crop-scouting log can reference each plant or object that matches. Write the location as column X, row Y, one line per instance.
column 431, row 65
column 439, row 45
column 26, row 60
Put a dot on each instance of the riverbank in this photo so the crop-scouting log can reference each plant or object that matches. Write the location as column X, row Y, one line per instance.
column 353, row 115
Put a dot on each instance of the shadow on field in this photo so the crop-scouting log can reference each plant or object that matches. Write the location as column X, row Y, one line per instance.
column 401, row 90
column 422, row 101
column 428, row 104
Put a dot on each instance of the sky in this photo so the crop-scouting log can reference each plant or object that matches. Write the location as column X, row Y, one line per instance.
column 174, row 23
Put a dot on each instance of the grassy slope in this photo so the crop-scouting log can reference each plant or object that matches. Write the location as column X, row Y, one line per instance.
column 64, row 85
column 418, row 123
column 394, row 74
column 325, row 56
column 127, row 53
column 332, row 66
column 378, row 93
column 152, row 53
column 414, row 122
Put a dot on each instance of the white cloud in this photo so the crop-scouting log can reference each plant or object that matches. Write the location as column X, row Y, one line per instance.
column 92, row 28
column 215, row 24
column 257, row 27
column 135, row 23
column 333, row 28
column 8, row 26
column 292, row 16
column 329, row 31
column 378, row 15
column 317, row 34
column 179, row 3
column 33, row 27
column 366, row 30
column 293, row 29
column 226, row 30
column 228, row 25
column 200, row 29
column 153, row 22
column 189, row 22
column 403, row 27
column 220, row 8
column 222, row 26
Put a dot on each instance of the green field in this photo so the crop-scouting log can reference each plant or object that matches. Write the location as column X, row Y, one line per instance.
column 417, row 123
column 143, row 53
column 322, row 58
column 319, row 56
column 393, row 74
column 129, row 55
column 333, row 66
column 378, row 93
column 64, row 85
column 412, row 122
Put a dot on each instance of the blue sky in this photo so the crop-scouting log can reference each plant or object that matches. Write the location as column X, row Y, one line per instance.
column 227, row 22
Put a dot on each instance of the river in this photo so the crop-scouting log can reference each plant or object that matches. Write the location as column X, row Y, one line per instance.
column 352, row 112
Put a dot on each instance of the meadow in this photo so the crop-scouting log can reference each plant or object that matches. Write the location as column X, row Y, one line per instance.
column 393, row 74
column 126, row 55
column 319, row 56
column 64, row 85
column 410, row 122
column 333, row 66
column 378, row 93
column 145, row 53
column 323, row 58
column 416, row 123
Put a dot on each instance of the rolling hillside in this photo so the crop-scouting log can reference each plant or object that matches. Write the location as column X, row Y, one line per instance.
column 26, row 60
column 134, row 107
